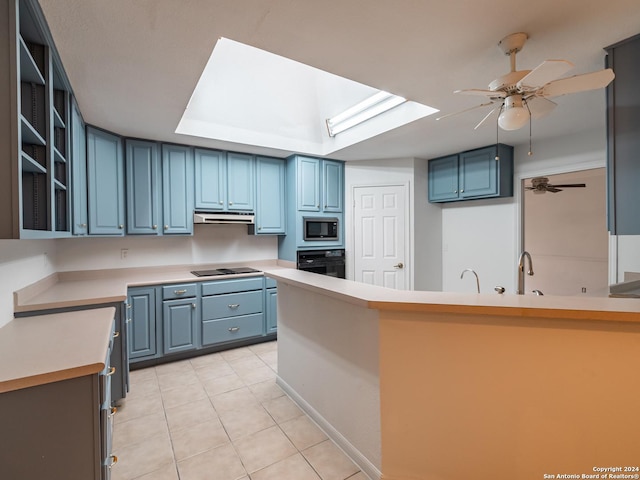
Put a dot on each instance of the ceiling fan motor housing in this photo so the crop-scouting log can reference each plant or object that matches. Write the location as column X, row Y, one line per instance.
column 508, row 82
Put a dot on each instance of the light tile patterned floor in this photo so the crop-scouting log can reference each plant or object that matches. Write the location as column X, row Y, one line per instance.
column 220, row 417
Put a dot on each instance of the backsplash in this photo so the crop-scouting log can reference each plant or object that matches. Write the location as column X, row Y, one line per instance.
column 209, row 244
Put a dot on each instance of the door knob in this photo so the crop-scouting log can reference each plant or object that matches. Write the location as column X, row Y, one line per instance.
column 399, row 265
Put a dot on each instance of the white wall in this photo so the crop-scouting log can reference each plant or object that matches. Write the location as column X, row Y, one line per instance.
column 22, row 262
column 209, row 244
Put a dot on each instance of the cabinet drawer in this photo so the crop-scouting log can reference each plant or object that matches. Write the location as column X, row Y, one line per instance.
column 230, row 286
column 231, row 304
column 229, row 329
column 270, row 282
column 183, row 290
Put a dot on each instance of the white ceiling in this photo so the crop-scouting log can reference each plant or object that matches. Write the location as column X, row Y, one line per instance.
column 134, row 64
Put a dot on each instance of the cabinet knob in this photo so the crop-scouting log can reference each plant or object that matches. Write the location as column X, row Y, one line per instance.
column 166, row 227
column 234, row 329
column 317, row 206
column 121, row 226
column 230, row 203
column 83, row 225
column 325, row 206
column 455, row 191
column 220, row 202
column 462, row 190
column 193, row 305
column 259, row 228
column 155, row 227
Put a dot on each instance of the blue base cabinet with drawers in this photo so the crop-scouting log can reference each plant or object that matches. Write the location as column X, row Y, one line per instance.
column 180, row 320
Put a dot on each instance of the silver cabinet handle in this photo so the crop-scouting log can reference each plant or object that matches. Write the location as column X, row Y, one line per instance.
column 83, row 225
column 111, row 371
column 121, row 226
column 233, row 305
column 128, row 305
column 399, row 265
column 234, row 329
column 455, row 191
column 114, row 460
column 155, row 227
column 179, row 292
column 317, row 206
column 116, row 334
column 114, row 410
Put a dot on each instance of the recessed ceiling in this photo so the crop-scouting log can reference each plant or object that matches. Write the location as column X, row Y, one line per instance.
column 134, row 65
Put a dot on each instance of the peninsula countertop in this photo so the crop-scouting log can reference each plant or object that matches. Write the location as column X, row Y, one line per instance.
column 50, row 348
column 547, row 306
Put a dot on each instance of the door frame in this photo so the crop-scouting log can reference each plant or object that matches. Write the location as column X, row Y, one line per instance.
column 408, row 238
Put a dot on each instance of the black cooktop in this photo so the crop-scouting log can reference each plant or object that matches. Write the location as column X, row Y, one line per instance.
column 224, row 271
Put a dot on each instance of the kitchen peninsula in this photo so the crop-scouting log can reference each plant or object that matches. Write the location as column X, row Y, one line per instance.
column 427, row 385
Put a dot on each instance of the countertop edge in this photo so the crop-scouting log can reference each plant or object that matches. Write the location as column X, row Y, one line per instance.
column 50, row 377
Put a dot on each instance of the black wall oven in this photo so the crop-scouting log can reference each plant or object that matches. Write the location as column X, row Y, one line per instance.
column 324, row 262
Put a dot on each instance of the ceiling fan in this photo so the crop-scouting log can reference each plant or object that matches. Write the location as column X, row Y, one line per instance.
column 523, row 94
column 542, row 185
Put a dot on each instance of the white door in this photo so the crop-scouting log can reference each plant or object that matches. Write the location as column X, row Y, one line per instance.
column 380, row 236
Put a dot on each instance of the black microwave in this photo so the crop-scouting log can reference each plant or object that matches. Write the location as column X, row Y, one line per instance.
column 319, row 228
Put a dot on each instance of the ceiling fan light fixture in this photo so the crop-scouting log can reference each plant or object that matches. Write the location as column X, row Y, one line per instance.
column 514, row 115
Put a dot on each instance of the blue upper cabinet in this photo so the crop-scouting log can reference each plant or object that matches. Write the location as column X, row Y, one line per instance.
column 308, row 184
column 143, row 187
column 79, row 172
column 270, row 207
column 443, row 179
column 332, row 186
column 241, row 182
column 105, row 176
column 482, row 173
column 211, row 176
column 177, row 189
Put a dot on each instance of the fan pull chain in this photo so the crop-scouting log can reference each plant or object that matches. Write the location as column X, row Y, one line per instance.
column 530, row 152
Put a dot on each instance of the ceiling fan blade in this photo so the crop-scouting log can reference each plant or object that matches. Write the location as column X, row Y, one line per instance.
column 540, row 106
column 482, row 93
column 579, row 83
column 464, row 111
column 543, row 74
column 570, row 185
column 485, row 118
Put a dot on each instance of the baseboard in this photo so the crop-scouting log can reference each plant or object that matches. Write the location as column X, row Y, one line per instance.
column 352, row 452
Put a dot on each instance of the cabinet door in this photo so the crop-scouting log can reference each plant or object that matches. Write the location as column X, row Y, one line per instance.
column 105, row 183
column 142, row 331
column 79, row 172
column 272, row 309
column 177, row 189
column 211, row 175
column 308, row 183
column 443, row 179
column 332, row 186
column 179, row 319
column 143, row 187
column 270, row 207
column 241, row 178
column 478, row 173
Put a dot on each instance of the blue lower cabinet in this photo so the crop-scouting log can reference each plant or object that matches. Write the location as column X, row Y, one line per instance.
column 142, row 322
column 180, row 320
column 271, row 309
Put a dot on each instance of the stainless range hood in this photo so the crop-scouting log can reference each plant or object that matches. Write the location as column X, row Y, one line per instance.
column 223, row 217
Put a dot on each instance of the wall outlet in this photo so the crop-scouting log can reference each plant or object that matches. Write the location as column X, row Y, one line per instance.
column 584, row 289
column 124, row 253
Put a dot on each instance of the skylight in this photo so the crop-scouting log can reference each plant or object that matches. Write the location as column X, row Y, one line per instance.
column 249, row 96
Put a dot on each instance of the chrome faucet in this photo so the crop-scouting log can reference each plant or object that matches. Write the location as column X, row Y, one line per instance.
column 474, row 272
column 520, row 290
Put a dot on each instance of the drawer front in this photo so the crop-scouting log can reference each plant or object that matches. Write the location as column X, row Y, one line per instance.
column 270, row 282
column 183, row 290
column 229, row 329
column 231, row 286
column 231, row 305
